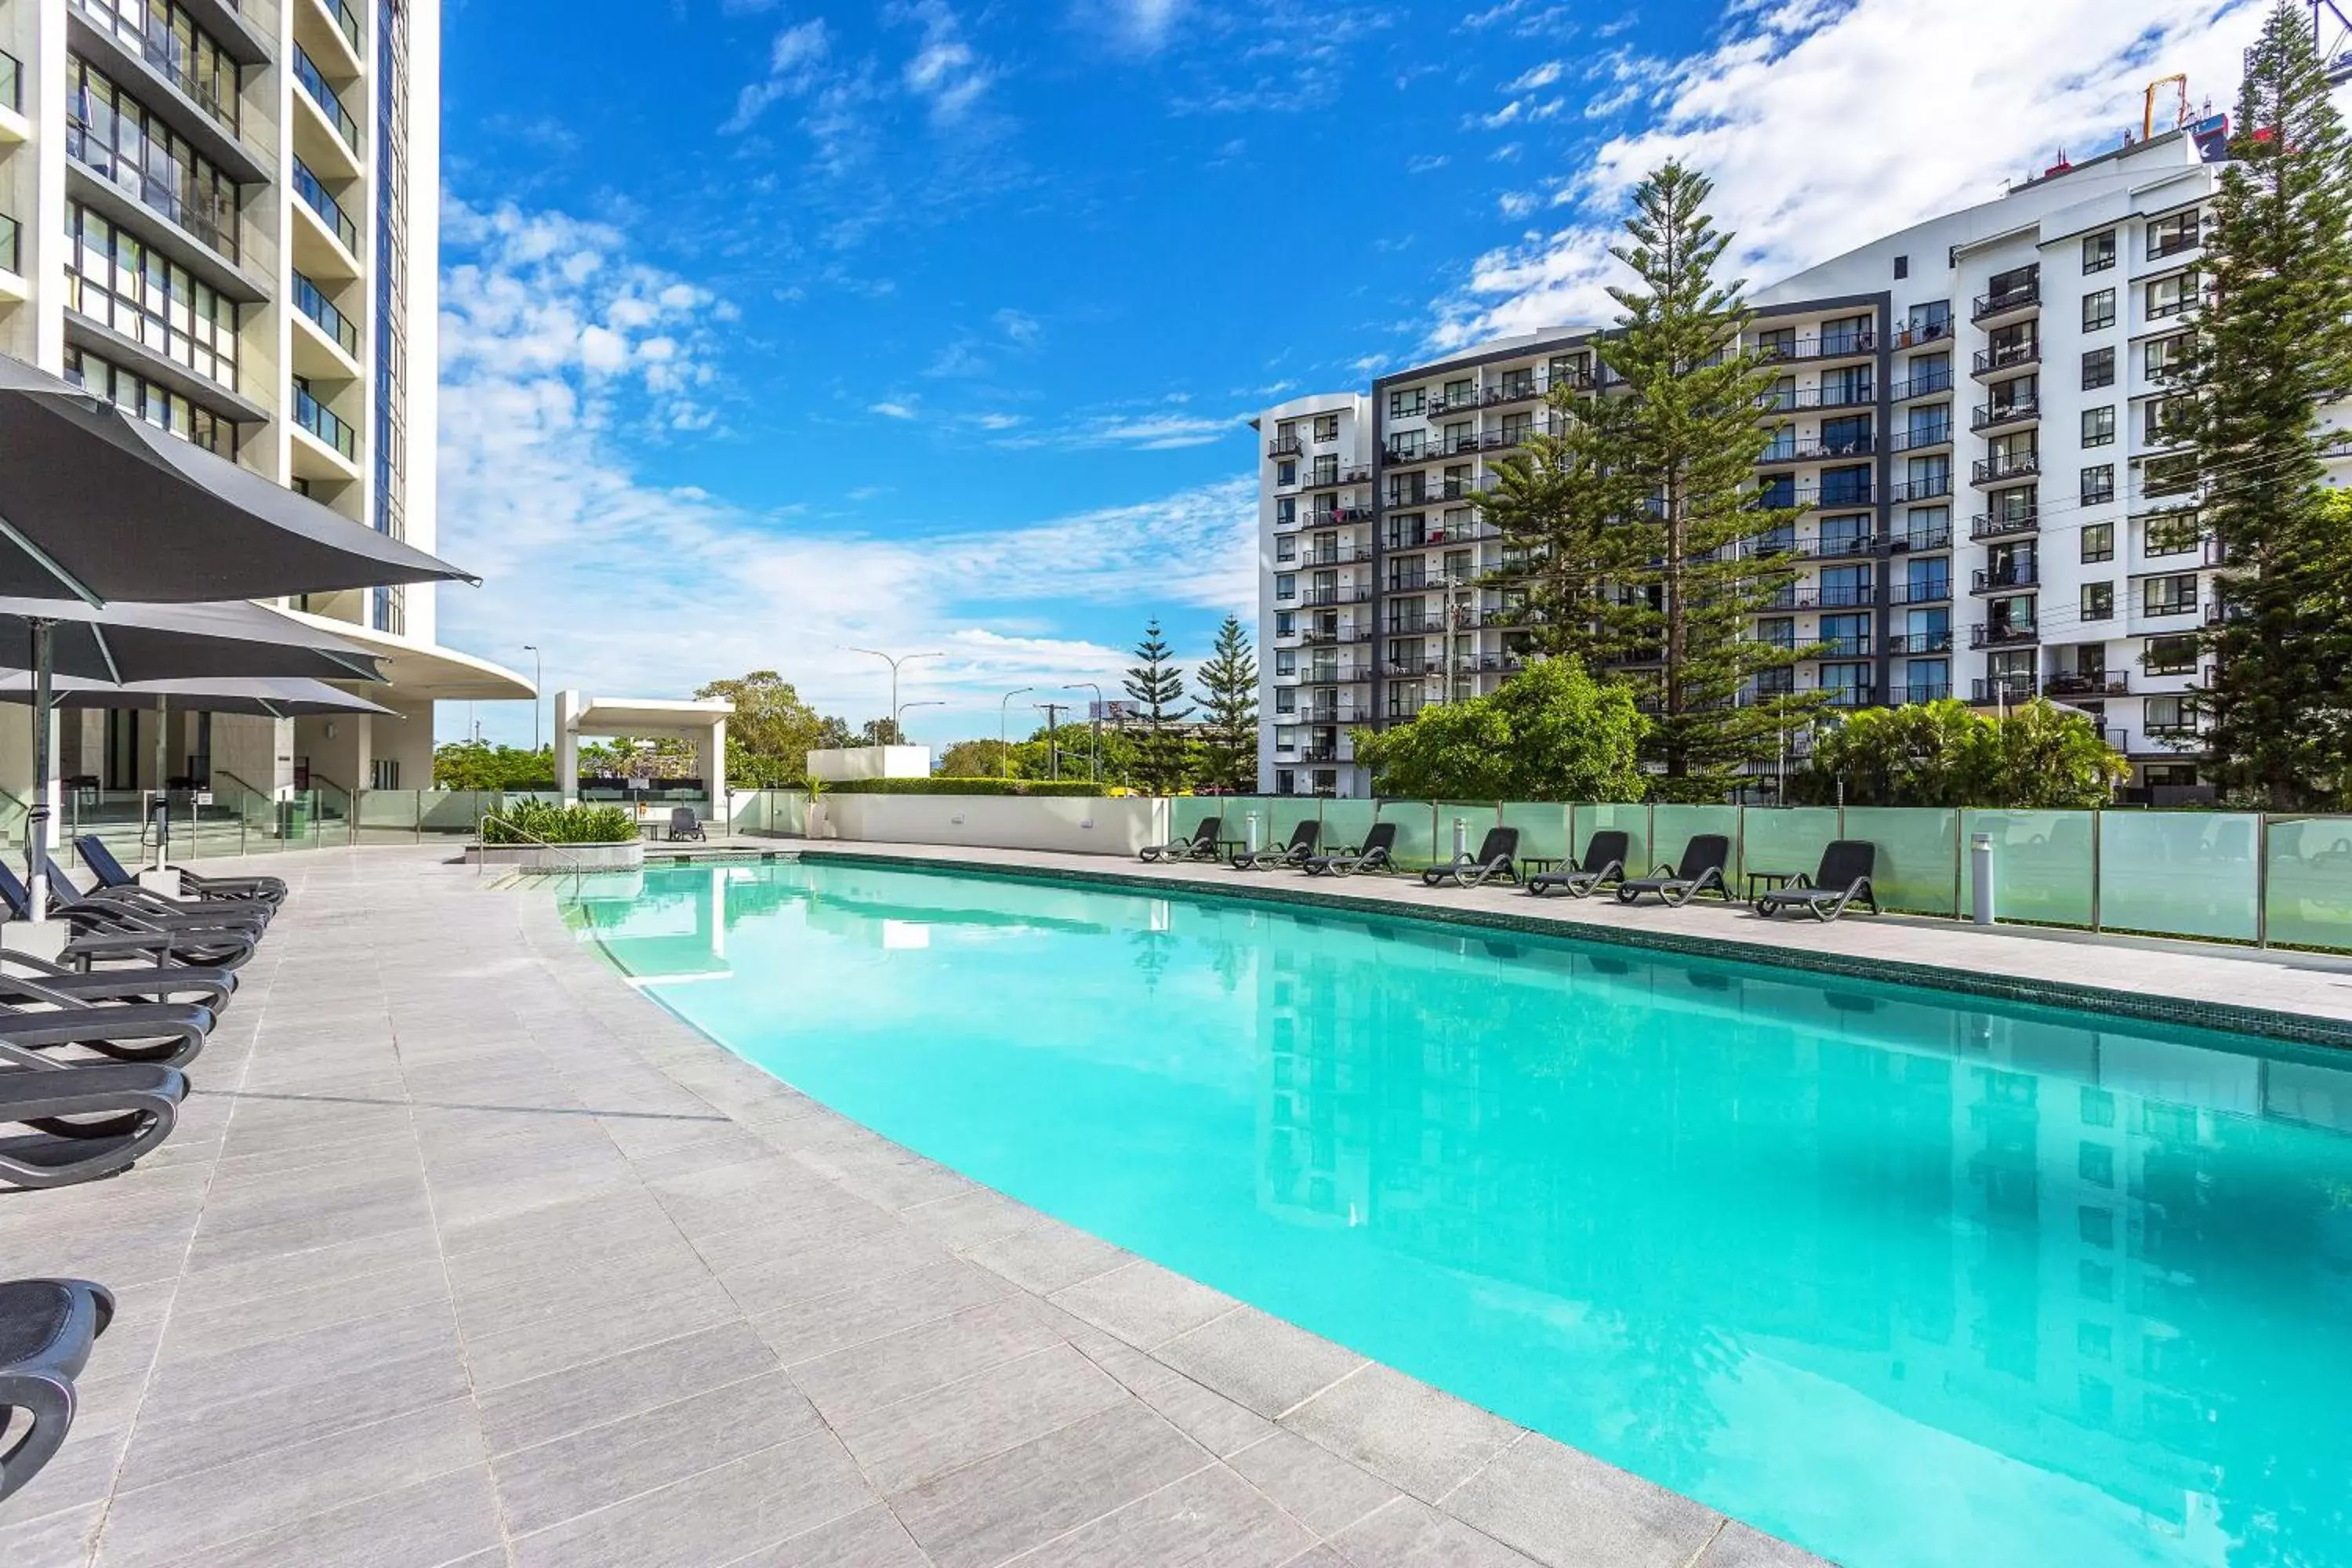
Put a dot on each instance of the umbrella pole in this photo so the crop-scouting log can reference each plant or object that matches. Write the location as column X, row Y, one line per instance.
column 162, row 766
column 36, row 821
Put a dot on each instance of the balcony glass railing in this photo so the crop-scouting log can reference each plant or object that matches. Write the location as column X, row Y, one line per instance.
column 320, row 421
column 347, row 22
column 12, row 243
column 174, row 191
column 198, row 69
column 12, row 82
column 312, row 302
column 315, row 196
column 324, row 97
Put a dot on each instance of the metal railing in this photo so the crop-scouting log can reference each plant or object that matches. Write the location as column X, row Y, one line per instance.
column 315, row 196
column 347, row 22
column 312, row 301
column 482, row 849
column 322, row 422
column 325, row 99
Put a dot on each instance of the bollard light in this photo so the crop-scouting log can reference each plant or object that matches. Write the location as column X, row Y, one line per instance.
column 1980, row 876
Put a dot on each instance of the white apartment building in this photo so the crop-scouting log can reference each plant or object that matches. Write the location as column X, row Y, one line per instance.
column 1971, row 417
column 224, row 215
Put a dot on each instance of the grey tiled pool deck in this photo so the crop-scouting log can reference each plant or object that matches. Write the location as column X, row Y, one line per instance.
column 465, row 1253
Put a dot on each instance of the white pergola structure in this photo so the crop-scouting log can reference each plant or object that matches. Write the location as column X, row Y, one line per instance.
column 702, row 725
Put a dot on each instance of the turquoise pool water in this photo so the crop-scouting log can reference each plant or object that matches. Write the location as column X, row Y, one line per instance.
column 1907, row 1279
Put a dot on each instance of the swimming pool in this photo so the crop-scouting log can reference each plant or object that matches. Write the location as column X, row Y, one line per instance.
column 1906, row 1278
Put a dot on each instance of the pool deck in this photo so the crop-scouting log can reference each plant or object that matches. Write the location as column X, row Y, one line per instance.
column 466, row 1253
column 2274, row 991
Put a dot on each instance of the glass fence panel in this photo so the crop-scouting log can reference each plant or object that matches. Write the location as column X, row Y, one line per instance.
column 1345, row 823
column 1676, row 825
column 1917, row 861
column 1187, row 812
column 2041, row 865
column 2310, row 887
column 1787, row 839
column 1475, row 818
column 1633, row 821
column 1543, row 828
column 1416, row 825
column 2178, row 873
column 1282, row 813
column 1238, row 810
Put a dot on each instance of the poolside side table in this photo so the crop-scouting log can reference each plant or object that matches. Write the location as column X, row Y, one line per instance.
column 1229, row 847
column 1536, row 865
column 1771, row 879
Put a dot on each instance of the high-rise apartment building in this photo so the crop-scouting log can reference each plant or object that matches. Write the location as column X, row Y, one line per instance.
column 224, row 217
column 1971, row 414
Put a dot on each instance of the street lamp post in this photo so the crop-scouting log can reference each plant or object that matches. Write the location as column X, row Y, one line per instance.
column 897, row 716
column 894, row 661
column 537, row 689
column 1003, row 746
column 1096, row 689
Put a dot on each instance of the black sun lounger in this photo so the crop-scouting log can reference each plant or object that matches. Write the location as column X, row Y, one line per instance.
column 171, row 1033
column 59, row 1125
column 115, row 934
column 1201, row 845
column 1297, row 852
column 264, row 892
column 1706, row 860
column 1604, row 861
column 685, row 827
column 186, row 914
column 1497, row 857
column 1374, row 854
column 152, row 983
column 1843, row 878
column 46, row 1328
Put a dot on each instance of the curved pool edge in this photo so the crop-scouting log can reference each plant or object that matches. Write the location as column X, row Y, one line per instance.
column 1442, row 1481
column 1554, row 917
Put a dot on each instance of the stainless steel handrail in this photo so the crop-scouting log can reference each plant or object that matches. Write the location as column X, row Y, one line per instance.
column 482, row 847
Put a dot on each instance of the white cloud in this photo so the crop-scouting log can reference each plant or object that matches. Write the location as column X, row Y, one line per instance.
column 1537, row 77
column 945, row 71
column 1150, row 432
column 1019, row 326
column 889, row 410
column 1142, row 25
column 1775, row 114
column 632, row 586
column 796, row 60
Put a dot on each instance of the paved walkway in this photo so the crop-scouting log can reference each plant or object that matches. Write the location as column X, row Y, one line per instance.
column 466, row 1254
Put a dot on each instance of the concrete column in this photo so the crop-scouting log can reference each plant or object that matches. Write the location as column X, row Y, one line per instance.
column 712, row 763
column 568, row 707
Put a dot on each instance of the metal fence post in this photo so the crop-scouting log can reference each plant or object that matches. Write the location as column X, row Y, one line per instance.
column 2261, row 878
column 1571, row 832
column 1739, row 838
column 2098, row 863
column 1959, row 862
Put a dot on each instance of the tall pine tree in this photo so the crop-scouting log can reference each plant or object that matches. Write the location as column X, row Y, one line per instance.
column 1157, row 685
column 2272, row 344
column 1685, row 436
column 1228, row 697
column 1563, row 512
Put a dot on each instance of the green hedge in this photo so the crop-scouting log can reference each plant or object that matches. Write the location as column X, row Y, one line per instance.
column 966, row 786
column 529, row 821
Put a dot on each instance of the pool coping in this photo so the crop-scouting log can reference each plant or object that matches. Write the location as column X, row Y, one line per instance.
column 2270, row 1024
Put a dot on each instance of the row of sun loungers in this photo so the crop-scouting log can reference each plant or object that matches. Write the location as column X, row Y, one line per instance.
column 94, row 1053
column 1842, row 879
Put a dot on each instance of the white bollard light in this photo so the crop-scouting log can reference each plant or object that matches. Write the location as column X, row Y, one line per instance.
column 1980, row 876
column 1461, row 839
column 1251, row 833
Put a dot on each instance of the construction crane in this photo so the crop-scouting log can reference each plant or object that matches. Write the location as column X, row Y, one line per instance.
column 2177, row 80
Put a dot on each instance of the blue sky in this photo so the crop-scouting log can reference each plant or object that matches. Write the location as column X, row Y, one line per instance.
column 771, row 326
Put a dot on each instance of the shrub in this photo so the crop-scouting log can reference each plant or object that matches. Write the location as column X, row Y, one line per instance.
column 969, row 786
column 536, row 821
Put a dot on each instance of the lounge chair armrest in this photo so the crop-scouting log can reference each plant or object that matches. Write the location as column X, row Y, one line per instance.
column 34, row 990
column 38, row 966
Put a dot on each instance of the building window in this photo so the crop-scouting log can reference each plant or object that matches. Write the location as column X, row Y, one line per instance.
column 1286, row 585
column 2168, row 297
column 2099, row 542
column 1285, row 622
column 1326, row 426
column 2161, row 360
column 2168, row 475
column 2098, row 369
column 2163, row 419
column 2099, row 311
column 1286, row 473
column 117, row 280
column 167, row 38
column 1408, row 402
column 1285, row 662
column 2098, row 601
column 1902, row 267
column 2099, row 484
column 159, row 405
column 2099, row 251
column 1285, row 510
column 2171, row 236
column 1287, row 548
column 2169, row 716
column 2174, row 595
column 115, row 136
column 2171, row 655
column 2171, row 536
column 2099, row 427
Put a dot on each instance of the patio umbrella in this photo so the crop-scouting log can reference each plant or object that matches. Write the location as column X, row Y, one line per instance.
column 292, row 698
column 123, row 643
column 97, row 505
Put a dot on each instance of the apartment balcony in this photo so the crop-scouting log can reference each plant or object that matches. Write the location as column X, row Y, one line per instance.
column 1338, row 637
column 2175, row 731
column 2006, row 471
column 1857, row 396
column 1924, row 438
column 330, row 29
column 1825, row 347
column 2012, row 635
column 327, row 135
column 1816, row 451
column 1932, row 487
column 1925, row 691
column 1354, row 556
column 2007, row 305
column 1922, row 335
column 2003, row 689
column 149, row 62
column 325, row 342
column 326, row 236
column 2000, row 416
column 1322, row 596
column 1920, row 387
column 2009, row 357
column 326, row 446
column 1324, row 479
column 1833, row 547
column 1935, row 590
column 204, row 235
column 1430, row 582
column 1811, row 498
column 1913, row 643
column 1339, row 675
column 1417, row 626
column 1840, row 648
column 1278, row 449
column 2111, row 684
column 1919, row 540
column 1412, row 668
column 2020, row 578
column 1815, row 598
column 2000, row 525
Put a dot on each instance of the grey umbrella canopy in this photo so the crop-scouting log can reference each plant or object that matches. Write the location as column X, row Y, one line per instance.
column 175, row 642
column 97, row 505
column 267, row 699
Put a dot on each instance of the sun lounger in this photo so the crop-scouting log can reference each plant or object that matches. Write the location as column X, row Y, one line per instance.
column 685, row 827
column 171, row 1033
column 46, row 1328
column 268, row 893
column 1374, row 854
column 1604, row 861
column 1201, row 845
column 1497, row 856
column 154, row 983
column 1706, row 860
column 1843, row 878
column 63, row 1124
column 1297, row 852
column 112, row 934
column 184, row 914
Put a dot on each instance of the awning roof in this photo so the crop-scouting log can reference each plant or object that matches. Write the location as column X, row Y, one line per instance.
column 648, row 716
column 423, row 672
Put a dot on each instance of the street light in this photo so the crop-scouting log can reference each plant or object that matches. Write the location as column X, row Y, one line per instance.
column 537, row 689
column 897, row 720
column 1004, row 747
column 894, row 661
column 1096, row 689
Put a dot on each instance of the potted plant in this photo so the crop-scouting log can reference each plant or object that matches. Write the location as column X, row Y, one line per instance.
column 818, row 826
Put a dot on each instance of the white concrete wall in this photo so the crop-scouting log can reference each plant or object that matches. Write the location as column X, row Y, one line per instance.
column 837, row 765
column 1072, row 824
